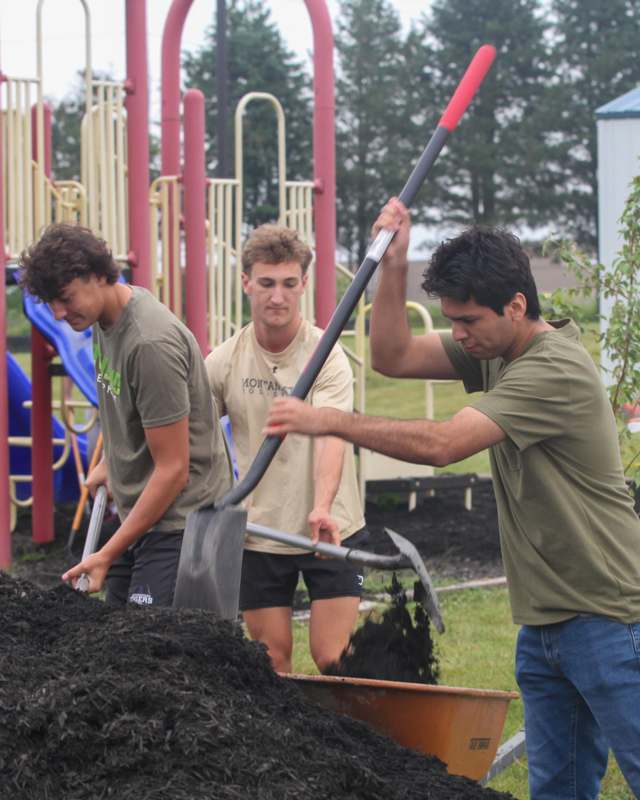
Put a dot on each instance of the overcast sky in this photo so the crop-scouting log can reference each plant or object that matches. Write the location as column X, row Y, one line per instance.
column 64, row 37
column 63, row 33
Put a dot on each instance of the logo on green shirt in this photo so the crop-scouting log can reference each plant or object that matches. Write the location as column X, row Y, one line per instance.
column 105, row 376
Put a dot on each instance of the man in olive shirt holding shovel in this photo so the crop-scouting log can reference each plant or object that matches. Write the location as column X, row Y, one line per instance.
column 164, row 452
column 569, row 535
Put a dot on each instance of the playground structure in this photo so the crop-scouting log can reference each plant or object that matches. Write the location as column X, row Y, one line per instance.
column 155, row 230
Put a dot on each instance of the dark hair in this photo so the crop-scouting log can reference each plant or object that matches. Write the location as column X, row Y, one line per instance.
column 63, row 253
column 486, row 264
column 275, row 244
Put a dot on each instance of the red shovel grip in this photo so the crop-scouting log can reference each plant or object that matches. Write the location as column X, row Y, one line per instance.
column 468, row 86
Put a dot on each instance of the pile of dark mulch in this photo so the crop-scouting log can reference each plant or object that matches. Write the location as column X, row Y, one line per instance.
column 138, row 703
column 441, row 527
column 396, row 647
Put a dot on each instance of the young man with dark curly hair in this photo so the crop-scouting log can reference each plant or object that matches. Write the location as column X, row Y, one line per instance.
column 164, row 453
column 569, row 534
column 310, row 487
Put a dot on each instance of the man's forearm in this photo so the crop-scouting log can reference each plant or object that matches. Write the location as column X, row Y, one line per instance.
column 416, row 441
column 389, row 331
column 162, row 488
column 328, row 458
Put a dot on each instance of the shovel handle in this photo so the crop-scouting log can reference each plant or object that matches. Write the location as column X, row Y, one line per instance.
column 331, row 550
column 461, row 98
column 93, row 533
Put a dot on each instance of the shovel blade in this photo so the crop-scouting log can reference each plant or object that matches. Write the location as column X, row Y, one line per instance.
column 211, row 561
column 431, row 598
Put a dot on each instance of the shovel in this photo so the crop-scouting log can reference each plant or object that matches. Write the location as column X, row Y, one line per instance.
column 205, row 578
column 93, row 534
column 407, row 556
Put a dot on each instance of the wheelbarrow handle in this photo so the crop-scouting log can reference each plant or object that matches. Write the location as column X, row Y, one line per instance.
column 350, row 554
column 461, row 98
column 93, row 533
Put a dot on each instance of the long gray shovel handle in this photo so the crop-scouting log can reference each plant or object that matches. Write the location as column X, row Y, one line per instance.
column 398, row 561
column 463, row 95
column 93, row 533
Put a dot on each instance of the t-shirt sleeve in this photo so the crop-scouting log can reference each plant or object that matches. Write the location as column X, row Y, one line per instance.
column 334, row 385
column 468, row 368
column 216, row 364
column 159, row 376
column 531, row 401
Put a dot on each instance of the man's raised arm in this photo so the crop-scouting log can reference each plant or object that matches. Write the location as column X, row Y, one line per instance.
column 395, row 351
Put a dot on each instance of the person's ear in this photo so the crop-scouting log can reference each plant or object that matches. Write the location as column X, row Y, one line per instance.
column 245, row 278
column 517, row 307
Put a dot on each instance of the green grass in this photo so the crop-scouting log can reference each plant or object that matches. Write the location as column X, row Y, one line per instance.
column 477, row 651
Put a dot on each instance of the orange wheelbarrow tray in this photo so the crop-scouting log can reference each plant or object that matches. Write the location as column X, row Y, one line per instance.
column 462, row 727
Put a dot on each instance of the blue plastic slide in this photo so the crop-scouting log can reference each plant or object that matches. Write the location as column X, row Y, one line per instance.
column 73, row 347
column 65, row 481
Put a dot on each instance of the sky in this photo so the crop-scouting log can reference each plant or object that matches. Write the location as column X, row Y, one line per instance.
column 64, row 27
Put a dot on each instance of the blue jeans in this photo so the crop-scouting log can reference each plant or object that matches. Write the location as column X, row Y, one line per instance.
column 580, row 685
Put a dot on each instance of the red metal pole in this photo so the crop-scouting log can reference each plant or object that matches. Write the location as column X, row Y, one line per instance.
column 42, row 530
column 170, row 122
column 138, row 143
column 194, row 217
column 5, row 510
column 170, row 87
column 324, row 160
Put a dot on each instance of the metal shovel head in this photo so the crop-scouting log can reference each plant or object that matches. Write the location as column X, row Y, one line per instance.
column 211, row 561
column 430, row 597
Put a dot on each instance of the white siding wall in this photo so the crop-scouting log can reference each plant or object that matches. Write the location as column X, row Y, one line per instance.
column 618, row 164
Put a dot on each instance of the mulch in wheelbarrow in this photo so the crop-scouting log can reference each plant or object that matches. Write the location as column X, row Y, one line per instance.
column 396, row 647
column 140, row 703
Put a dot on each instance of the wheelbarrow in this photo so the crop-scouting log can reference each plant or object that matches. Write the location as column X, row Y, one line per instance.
column 461, row 727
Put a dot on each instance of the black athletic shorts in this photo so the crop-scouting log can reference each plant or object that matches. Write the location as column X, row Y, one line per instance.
column 269, row 580
column 146, row 572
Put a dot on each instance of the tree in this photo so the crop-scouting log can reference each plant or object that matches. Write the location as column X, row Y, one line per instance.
column 595, row 58
column 258, row 62
column 371, row 121
column 494, row 170
column 620, row 339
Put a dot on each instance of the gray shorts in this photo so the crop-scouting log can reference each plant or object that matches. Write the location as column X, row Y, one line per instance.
column 146, row 572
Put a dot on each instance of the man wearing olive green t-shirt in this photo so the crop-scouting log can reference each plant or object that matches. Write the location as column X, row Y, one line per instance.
column 569, row 535
column 164, row 452
column 310, row 488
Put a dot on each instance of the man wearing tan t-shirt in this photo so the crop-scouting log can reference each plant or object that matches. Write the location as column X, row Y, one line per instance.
column 310, row 488
column 569, row 535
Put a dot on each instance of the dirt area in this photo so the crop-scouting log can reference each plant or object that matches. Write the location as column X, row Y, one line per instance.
column 455, row 542
column 97, row 702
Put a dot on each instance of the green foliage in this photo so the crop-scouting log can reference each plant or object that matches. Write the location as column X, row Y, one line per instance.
column 259, row 61
column 371, row 123
column 620, row 340
column 494, row 171
column 594, row 60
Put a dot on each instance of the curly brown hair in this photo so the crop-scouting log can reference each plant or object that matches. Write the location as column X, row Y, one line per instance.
column 63, row 253
column 275, row 244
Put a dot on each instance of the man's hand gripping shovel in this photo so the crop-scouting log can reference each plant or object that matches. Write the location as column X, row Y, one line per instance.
column 211, row 555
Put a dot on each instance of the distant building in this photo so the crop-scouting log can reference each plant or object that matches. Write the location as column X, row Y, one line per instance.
column 618, row 153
